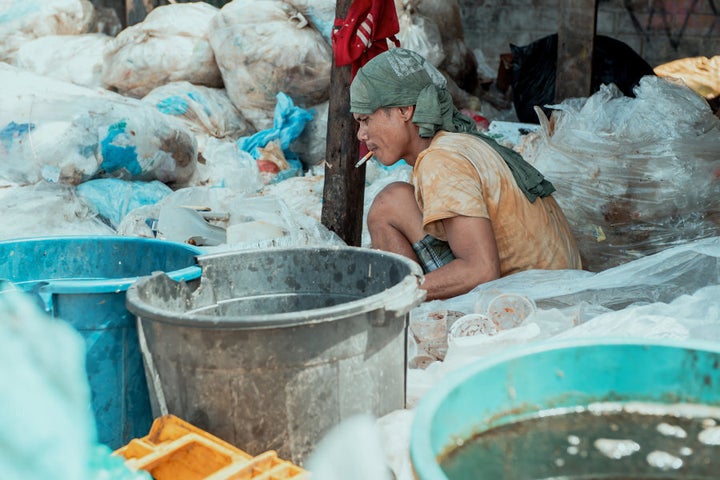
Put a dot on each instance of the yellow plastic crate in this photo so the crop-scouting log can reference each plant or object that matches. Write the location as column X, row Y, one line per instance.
column 177, row 450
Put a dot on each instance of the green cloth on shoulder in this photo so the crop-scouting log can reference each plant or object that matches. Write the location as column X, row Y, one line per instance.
column 401, row 77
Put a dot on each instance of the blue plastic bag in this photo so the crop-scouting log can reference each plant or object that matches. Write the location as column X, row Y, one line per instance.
column 114, row 198
column 288, row 123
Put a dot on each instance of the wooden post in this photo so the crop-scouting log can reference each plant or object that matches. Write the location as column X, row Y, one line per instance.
column 344, row 190
column 576, row 40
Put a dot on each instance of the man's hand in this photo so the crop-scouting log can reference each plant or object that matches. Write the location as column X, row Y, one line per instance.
column 472, row 241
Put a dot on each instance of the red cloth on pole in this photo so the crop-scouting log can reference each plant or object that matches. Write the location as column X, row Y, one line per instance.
column 364, row 32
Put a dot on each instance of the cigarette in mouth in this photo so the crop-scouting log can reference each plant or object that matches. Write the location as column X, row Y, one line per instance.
column 364, row 159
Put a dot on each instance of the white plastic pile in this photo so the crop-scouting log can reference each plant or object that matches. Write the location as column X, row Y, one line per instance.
column 120, row 127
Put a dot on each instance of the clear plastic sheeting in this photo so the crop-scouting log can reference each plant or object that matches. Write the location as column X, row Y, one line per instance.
column 59, row 132
column 169, row 45
column 265, row 47
column 47, row 209
column 674, row 294
column 337, row 456
column 303, row 194
column 25, row 20
column 377, row 177
column 73, row 58
column 634, row 176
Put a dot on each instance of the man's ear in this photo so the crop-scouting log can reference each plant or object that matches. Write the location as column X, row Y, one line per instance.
column 407, row 112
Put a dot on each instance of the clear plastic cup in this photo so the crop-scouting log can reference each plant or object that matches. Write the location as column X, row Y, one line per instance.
column 506, row 310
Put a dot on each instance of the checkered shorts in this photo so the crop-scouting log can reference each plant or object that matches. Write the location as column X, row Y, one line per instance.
column 433, row 253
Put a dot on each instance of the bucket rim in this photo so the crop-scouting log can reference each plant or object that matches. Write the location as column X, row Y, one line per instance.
column 399, row 299
column 423, row 455
column 109, row 285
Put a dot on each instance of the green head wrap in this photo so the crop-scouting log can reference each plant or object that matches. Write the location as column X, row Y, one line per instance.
column 401, row 77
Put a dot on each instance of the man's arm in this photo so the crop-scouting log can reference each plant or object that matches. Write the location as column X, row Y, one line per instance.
column 472, row 241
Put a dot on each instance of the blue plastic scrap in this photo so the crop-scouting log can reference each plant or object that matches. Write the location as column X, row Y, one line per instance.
column 178, row 105
column 13, row 133
column 288, row 123
column 114, row 198
column 117, row 156
column 173, row 105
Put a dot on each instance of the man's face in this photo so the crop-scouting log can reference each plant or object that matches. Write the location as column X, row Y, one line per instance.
column 385, row 133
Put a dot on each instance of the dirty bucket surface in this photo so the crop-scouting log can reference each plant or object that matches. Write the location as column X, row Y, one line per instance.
column 270, row 349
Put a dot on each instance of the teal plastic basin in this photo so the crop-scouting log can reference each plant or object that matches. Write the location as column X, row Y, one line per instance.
column 83, row 280
column 514, row 386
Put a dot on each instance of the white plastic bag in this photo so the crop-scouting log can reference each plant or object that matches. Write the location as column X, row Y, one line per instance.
column 169, row 45
column 458, row 60
column 60, row 132
column 72, row 58
column 311, row 145
column 25, row 20
column 223, row 164
column 421, row 35
column 205, row 110
column 264, row 47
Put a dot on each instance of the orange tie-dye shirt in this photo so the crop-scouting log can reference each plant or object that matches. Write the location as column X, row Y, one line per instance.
column 459, row 174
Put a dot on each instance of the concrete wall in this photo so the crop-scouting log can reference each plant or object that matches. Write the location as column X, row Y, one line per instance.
column 658, row 30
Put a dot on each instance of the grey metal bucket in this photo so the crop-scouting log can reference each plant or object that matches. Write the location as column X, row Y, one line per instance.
column 270, row 349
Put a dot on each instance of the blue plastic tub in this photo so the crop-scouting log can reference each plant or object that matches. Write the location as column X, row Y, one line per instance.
column 515, row 386
column 83, row 280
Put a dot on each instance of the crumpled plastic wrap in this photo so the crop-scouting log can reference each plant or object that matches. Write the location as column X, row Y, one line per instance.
column 634, row 176
column 169, row 45
column 251, row 221
column 25, row 20
column 64, row 133
column 47, row 209
column 264, row 47
column 419, row 34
